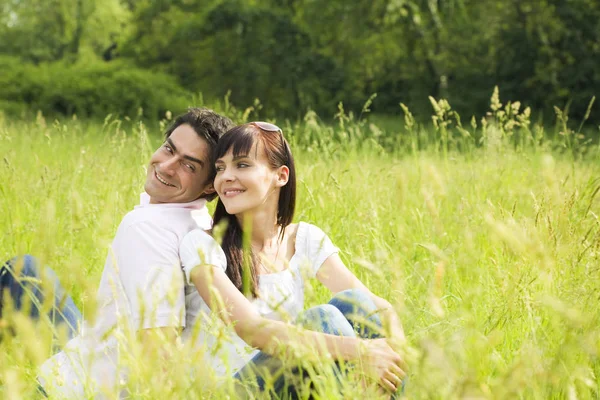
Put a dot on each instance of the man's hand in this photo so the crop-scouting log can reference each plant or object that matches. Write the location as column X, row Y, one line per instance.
column 383, row 364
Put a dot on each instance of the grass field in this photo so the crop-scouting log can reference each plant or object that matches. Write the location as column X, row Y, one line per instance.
column 489, row 251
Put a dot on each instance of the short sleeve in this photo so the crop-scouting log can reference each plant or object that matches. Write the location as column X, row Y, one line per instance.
column 199, row 248
column 317, row 245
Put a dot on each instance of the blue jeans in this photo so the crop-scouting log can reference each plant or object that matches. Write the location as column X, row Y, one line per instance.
column 349, row 313
column 25, row 281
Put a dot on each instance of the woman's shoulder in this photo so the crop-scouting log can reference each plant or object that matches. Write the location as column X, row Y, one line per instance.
column 292, row 230
column 298, row 231
column 198, row 243
column 313, row 244
column 308, row 230
column 198, row 247
column 197, row 236
column 307, row 235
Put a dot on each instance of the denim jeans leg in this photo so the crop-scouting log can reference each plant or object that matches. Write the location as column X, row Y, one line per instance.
column 360, row 310
column 22, row 278
column 264, row 367
column 326, row 318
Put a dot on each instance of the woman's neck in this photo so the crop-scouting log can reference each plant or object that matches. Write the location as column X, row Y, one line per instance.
column 264, row 228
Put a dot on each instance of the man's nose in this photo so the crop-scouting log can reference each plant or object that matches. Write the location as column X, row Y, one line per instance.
column 168, row 166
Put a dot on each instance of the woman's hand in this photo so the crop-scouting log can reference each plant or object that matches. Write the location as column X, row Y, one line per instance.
column 383, row 364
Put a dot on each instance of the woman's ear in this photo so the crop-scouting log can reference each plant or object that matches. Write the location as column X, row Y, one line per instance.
column 283, row 175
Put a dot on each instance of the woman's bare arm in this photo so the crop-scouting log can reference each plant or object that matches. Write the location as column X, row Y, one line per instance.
column 337, row 277
column 235, row 309
column 271, row 336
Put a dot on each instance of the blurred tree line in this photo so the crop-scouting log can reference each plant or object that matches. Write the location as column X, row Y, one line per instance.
column 93, row 57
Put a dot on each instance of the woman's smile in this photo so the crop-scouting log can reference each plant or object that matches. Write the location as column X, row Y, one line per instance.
column 232, row 192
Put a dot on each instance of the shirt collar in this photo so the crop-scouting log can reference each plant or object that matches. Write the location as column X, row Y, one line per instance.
column 193, row 205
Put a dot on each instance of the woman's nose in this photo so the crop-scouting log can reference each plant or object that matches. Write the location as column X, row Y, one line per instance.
column 226, row 175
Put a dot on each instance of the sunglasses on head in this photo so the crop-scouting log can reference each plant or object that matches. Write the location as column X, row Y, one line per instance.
column 265, row 126
column 268, row 127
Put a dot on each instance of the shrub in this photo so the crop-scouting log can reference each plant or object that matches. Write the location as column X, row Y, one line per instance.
column 89, row 90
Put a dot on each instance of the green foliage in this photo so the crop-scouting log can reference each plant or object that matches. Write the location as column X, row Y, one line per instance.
column 230, row 48
column 552, row 46
column 94, row 89
column 295, row 55
column 300, row 55
column 52, row 30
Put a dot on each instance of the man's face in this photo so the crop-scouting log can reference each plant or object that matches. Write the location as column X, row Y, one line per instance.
column 178, row 170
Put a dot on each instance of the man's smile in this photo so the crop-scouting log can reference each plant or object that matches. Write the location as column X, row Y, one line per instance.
column 161, row 180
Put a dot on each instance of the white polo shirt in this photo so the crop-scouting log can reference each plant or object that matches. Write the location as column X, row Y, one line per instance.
column 141, row 287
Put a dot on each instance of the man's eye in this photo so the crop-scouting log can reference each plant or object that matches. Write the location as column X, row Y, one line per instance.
column 168, row 148
column 190, row 167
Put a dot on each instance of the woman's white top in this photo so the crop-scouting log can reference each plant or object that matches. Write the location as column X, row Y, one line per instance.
column 280, row 294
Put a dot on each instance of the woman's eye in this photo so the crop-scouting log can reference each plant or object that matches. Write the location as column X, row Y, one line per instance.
column 242, row 165
column 219, row 168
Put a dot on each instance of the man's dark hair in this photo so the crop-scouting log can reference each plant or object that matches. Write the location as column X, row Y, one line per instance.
column 210, row 126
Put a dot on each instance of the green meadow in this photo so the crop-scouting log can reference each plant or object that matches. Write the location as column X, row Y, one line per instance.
column 485, row 235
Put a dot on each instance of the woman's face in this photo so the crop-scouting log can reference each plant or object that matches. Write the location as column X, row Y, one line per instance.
column 247, row 182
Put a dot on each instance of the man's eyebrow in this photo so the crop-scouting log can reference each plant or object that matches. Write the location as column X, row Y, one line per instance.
column 194, row 159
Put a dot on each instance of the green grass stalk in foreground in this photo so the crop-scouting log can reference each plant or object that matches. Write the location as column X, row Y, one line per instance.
column 490, row 255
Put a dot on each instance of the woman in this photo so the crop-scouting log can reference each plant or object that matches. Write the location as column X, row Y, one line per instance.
column 256, row 184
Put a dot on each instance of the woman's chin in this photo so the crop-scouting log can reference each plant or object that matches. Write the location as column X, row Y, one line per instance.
column 233, row 210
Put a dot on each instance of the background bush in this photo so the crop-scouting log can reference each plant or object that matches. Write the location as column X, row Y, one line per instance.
column 88, row 90
column 297, row 56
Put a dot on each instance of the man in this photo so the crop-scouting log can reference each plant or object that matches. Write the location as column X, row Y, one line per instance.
column 141, row 288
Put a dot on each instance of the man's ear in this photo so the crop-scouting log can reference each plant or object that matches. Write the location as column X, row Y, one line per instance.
column 210, row 189
column 283, row 175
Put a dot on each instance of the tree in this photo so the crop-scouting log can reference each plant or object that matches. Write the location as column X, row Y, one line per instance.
column 51, row 30
column 249, row 50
